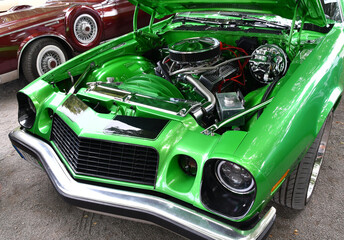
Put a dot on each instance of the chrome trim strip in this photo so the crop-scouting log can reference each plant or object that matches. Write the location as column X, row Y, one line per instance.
column 164, row 209
column 52, row 23
column 102, row 6
column 152, row 108
column 9, row 76
column 105, row 95
column 127, row 98
column 32, row 26
column 114, row 90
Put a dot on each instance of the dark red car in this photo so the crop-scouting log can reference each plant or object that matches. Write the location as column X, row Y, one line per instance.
column 35, row 40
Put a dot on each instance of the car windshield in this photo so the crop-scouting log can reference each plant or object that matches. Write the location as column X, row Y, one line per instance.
column 332, row 10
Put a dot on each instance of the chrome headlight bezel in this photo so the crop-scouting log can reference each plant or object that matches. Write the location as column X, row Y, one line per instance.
column 237, row 171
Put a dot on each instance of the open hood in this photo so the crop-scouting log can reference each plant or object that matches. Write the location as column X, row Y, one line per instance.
column 311, row 9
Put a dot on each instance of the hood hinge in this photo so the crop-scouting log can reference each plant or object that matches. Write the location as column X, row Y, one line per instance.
column 136, row 13
column 135, row 18
column 295, row 17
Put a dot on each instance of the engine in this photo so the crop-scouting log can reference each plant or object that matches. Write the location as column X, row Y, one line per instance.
column 200, row 76
column 217, row 73
column 198, row 57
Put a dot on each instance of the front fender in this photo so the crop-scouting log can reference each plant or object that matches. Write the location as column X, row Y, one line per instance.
column 288, row 126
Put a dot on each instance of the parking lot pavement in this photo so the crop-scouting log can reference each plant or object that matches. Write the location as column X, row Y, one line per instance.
column 31, row 209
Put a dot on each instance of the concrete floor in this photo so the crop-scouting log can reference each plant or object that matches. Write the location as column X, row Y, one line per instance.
column 30, row 208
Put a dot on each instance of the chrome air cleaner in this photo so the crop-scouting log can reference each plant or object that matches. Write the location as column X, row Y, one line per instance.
column 192, row 50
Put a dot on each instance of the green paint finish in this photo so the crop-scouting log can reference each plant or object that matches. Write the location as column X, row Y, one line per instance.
column 326, row 81
column 145, row 83
column 122, row 68
column 267, row 147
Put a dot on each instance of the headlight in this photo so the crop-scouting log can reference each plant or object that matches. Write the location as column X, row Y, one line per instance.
column 234, row 178
column 227, row 189
column 26, row 112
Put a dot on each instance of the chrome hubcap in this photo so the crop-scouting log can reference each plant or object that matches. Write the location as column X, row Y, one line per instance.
column 48, row 58
column 52, row 63
column 49, row 61
column 85, row 29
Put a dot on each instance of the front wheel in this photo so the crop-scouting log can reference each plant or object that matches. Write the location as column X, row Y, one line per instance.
column 297, row 189
column 42, row 56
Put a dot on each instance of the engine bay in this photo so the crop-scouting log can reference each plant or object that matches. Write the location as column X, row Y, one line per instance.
column 201, row 76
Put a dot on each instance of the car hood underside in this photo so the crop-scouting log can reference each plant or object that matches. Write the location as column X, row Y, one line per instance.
column 311, row 9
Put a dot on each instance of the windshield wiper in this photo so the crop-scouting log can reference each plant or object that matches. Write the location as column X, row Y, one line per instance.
column 202, row 21
column 247, row 18
column 244, row 20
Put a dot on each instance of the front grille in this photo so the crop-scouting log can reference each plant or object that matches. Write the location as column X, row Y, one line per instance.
column 105, row 159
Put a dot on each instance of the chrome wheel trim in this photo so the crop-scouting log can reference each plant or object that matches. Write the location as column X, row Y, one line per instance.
column 85, row 29
column 48, row 58
column 319, row 157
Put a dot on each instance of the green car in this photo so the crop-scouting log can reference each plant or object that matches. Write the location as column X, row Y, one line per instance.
column 197, row 121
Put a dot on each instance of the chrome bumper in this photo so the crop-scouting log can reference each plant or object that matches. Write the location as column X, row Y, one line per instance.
column 166, row 213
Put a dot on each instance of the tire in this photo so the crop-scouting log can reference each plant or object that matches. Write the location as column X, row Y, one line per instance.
column 297, row 189
column 42, row 56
